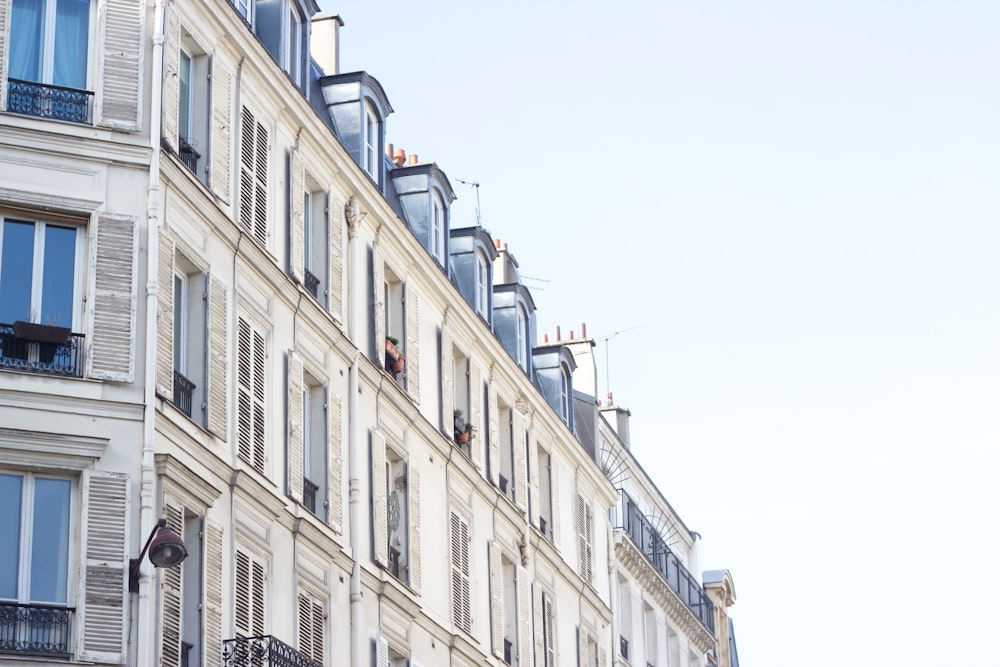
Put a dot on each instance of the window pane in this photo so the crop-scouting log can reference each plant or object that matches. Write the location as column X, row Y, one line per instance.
column 26, row 40
column 15, row 271
column 59, row 271
column 178, row 324
column 184, row 94
column 10, row 534
column 70, row 47
column 50, row 540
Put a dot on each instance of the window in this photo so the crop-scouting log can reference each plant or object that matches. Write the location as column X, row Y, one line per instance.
column 482, row 286
column 564, row 392
column 395, row 321
column 190, row 375
column 548, row 630
column 49, row 56
column 650, row 627
column 251, row 356
column 396, row 512
column 293, row 63
column 437, row 228
column 192, row 573
column 506, row 473
column 192, row 106
column 250, row 602
column 245, row 8
column 625, row 616
column 370, row 143
column 253, row 176
column 316, row 243
column 521, row 337
column 314, row 466
column 461, row 591
column 510, row 610
column 545, row 493
column 398, row 517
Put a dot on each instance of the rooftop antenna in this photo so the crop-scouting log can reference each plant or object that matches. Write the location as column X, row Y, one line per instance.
column 474, row 184
column 607, row 364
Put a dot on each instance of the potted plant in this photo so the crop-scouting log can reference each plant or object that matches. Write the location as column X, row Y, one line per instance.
column 394, row 359
column 463, row 429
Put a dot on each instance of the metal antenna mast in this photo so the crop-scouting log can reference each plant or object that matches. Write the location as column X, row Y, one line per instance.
column 474, row 184
column 607, row 364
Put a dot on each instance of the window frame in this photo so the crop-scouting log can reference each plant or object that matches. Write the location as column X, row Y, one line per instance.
column 482, row 285
column 47, row 47
column 369, row 141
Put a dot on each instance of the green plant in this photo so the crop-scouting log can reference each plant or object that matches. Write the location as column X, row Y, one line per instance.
column 392, row 339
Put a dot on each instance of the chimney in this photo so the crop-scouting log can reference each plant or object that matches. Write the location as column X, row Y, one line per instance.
column 414, row 159
column 399, row 157
column 558, row 334
column 325, row 42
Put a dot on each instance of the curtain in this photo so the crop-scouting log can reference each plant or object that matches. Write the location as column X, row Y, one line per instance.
column 26, row 40
column 70, row 48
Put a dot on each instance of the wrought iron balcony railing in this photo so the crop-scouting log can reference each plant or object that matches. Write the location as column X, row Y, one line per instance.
column 263, row 651
column 35, row 629
column 188, row 155
column 508, row 650
column 312, row 283
column 183, row 389
column 309, row 495
column 48, row 101
column 394, row 557
column 19, row 353
column 623, row 647
column 651, row 544
column 502, row 482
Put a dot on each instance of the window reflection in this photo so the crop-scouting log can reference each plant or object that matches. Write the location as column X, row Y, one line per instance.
column 50, row 540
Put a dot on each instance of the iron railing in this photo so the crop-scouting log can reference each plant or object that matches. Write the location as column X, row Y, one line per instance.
column 502, row 483
column 508, row 650
column 651, row 543
column 309, row 494
column 263, row 651
column 543, row 525
column 623, row 647
column 48, row 101
column 188, row 155
column 394, row 557
column 36, row 629
column 312, row 283
column 183, row 389
column 22, row 354
column 186, row 654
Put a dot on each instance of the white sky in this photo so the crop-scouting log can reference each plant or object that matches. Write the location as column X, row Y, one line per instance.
column 797, row 203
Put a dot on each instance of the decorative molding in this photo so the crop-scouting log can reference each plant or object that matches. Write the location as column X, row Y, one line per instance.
column 40, row 449
column 192, row 489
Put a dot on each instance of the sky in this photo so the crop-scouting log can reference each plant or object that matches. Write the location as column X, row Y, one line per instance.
column 789, row 210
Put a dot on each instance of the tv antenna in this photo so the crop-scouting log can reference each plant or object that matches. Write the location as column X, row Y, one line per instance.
column 474, row 184
column 607, row 364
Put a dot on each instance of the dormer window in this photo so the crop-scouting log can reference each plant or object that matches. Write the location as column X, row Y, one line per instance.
column 521, row 334
column 564, row 393
column 437, row 228
column 293, row 53
column 370, row 154
column 482, row 286
column 245, row 8
column 279, row 25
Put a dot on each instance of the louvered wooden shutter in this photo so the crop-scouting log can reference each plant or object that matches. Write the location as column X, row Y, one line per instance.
column 602, row 658
column 335, row 224
column 556, row 505
column 120, row 69
column 538, row 623
column 379, row 517
column 581, row 648
column 494, row 453
column 295, row 425
column 311, row 627
column 102, row 603
column 523, row 617
column 476, row 415
column 171, row 78
column 378, row 293
column 496, row 598
column 220, row 149
column 5, row 7
column 170, row 593
column 335, row 420
column 165, row 318
column 460, row 585
column 250, row 596
column 113, row 267
column 412, row 306
column 218, row 359
column 253, row 176
column 549, row 625
column 213, row 593
column 584, row 531
column 447, row 384
column 250, row 398
column 416, row 577
column 520, row 463
column 531, row 451
column 381, row 651
column 296, row 215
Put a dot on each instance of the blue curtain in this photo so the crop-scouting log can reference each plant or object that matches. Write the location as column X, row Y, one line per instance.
column 26, row 40
column 70, row 47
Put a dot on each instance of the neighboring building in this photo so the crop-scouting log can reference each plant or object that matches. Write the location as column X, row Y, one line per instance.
column 227, row 302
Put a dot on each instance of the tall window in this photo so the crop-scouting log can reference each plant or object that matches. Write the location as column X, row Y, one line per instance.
column 564, row 393
column 38, row 272
column 250, row 396
column 294, row 50
column 545, row 491
column 522, row 337
column 49, row 41
column 437, row 228
column 184, row 97
column 370, row 143
column 482, row 286
column 461, row 591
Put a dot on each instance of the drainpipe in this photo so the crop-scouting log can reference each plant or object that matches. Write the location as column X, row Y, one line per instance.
column 145, row 651
column 355, row 434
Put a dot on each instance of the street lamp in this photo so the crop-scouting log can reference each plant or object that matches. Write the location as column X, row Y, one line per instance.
column 166, row 549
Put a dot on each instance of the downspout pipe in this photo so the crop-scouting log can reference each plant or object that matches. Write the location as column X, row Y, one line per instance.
column 145, row 649
column 355, row 434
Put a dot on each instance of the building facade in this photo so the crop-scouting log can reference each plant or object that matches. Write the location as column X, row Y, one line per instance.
column 226, row 301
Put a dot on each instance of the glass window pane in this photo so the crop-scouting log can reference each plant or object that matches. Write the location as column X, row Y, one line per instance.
column 178, row 324
column 58, row 273
column 15, row 271
column 70, row 46
column 26, row 40
column 10, row 534
column 50, row 540
column 184, row 93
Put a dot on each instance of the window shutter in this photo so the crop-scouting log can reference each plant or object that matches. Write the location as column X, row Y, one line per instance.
column 171, row 79
column 378, row 290
column 102, row 605
column 602, row 658
column 335, row 223
column 250, row 398
column 494, row 453
column 414, row 497
column 496, row 598
column 447, row 384
column 311, row 622
column 520, row 463
column 253, row 176
column 412, row 305
column 295, row 425
column 218, row 358
column 584, row 533
column 523, row 617
column 5, row 7
column 549, row 625
column 170, row 593
column 120, row 69
column 476, row 414
column 379, row 518
column 250, row 586
column 460, row 586
column 531, row 451
column 220, row 149
column 537, row 608
column 213, row 593
column 296, row 215
column 381, row 651
column 113, row 267
column 335, row 420
column 581, row 648
column 165, row 318
column 556, row 506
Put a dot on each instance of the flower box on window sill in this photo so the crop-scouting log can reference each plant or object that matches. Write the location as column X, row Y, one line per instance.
column 41, row 333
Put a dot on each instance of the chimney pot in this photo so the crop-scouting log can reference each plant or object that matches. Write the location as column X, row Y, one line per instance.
column 414, row 159
column 571, row 334
column 545, row 338
column 583, row 330
column 399, row 157
column 558, row 335
column 496, row 243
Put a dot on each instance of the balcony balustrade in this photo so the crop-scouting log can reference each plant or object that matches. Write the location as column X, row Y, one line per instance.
column 312, row 283
column 263, row 651
column 188, row 155
column 309, row 490
column 35, row 629
column 48, row 101
column 64, row 358
column 183, row 390
column 508, row 650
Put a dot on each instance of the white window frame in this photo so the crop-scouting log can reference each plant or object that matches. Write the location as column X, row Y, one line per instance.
column 292, row 51
column 438, row 222
column 369, row 142
column 186, row 60
column 181, row 331
column 48, row 43
column 521, row 336
column 564, row 392
column 482, row 294
column 246, row 9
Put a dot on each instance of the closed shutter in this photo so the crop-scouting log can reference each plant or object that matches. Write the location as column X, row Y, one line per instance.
column 461, row 592
column 335, row 420
column 295, row 425
column 520, row 463
column 494, row 453
column 311, row 627
column 253, row 176
column 531, row 451
column 379, row 517
column 581, row 648
column 165, row 318
column 5, row 6
column 602, row 658
column 381, row 651
column 250, row 602
column 416, row 579
column 220, row 148
column 523, row 618
column 250, row 396
column 120, row 71
column 170, row 593
column 496, row 598
column 335, row 223
column 584, row 532
column 171, row 78
column 549, row 629
column 296, row 215
column 412, row 305
column 554, row 492
column 378, row 299
column 113, row 267
column 213, row 593
column 102, row 604
column 447, row 385
column 476, row 414
column 218, row 358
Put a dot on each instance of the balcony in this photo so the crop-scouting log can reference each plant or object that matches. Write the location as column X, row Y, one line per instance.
column 47, row 101
column 312, row 284
column 183, row 389
column 188, row 155
column 35, row 629
column 309, row 490
column 38, row 353
column 623, row 647
column 263, row 651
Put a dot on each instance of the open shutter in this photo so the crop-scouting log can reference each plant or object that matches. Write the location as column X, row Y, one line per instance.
column 476, row 416
column 520, row 463
column 102, row 604
column 379, row 517
column 414, row 496
column 494, row 453
column 584, row 536
column 378, row 294
column 165, row 318
column 254, row 150
column 250, row 586
column 496, row 598
column 581, row 648
column 213, row 593
column 218, row 358
column 549, row 625
column 112, row 308
column 447, row 384
column 381, row 651
column 120, row 69
column 170, row 593
column 335, row 225
column 412, row 304
column 460, row 585
column 335, row 420
column 523, row 617
column 538, row 622
column 5, row 7
column 296, row 215
column 295, row 425
column 311, row 627
column 220, row 149
column 171, row 77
